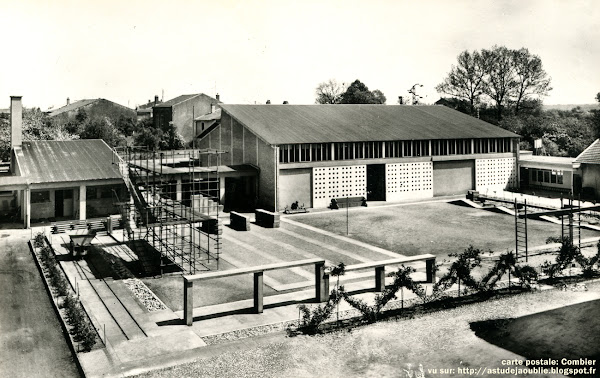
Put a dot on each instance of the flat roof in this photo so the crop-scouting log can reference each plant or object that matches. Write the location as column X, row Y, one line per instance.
column 282, row 124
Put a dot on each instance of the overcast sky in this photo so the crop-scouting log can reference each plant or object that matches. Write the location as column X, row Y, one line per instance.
column 129, row 51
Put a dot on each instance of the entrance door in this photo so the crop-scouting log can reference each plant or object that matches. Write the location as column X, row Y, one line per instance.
column 59, row 203
column 376, row 182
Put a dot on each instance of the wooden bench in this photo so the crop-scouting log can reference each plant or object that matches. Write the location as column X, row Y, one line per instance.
column 239, row 222
column 321, row 289
column 62, row 227
column 343, row 202
column 266, row 218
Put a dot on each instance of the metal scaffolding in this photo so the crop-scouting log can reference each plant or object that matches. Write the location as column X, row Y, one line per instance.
column 175, row 202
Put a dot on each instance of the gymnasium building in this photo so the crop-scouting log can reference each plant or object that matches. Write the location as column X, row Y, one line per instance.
column 314, row 153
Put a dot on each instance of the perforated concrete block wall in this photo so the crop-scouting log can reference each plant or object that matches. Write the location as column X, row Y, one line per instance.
column 495, row 174
column 337, row 182
column 409, row 180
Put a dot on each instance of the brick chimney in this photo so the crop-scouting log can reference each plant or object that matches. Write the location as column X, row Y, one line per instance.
column 68, row 101
column 16, row 122
column 155, row 100
column 218, row 97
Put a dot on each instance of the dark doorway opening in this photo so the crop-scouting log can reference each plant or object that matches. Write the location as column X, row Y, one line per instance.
column 59, row 203
column 240, row 194
column 376, row 182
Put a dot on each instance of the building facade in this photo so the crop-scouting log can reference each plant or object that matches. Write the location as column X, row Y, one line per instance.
column 314, row 153
column 182, row 111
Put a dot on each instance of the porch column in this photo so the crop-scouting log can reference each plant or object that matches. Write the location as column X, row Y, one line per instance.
column 82, row 202
column 27, row 208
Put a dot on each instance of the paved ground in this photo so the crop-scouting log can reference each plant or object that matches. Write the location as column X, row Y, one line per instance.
column 31, row 340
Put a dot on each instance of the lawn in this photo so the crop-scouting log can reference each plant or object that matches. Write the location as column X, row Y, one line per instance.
column 438, row 228
column 439, row 340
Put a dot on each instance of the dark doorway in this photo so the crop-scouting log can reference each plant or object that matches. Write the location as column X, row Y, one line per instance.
column 240, row 194
column 59, row 203
column 376, row 182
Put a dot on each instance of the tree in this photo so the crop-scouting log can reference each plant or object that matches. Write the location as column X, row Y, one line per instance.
column 329, row 92
column 531, row 79
column 595, row 118
column 465, row 80
column 499, row 81
column 359, row 93
column 102, row 129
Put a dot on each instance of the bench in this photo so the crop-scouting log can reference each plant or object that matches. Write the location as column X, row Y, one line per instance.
column 62, row 227
column 321, row 288
column 343, row 202
column 239, row 222
column 266, row 218
column 379, row 266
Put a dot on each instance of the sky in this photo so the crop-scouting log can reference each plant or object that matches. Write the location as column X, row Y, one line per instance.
column 253, row 51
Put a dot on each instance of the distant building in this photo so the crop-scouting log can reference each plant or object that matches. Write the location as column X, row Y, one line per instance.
column 182, row 111
column 551, row 173
column 145, row 111
column 205, row 123
column 97, row 108
column 589, row 164
column 59, row 180
column 314, row 153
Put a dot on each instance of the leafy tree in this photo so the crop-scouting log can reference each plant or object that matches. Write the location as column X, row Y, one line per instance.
column 329, row 92
column 531, row 79
column 102, row 129
column 499, row 81
column 465, row 80
column 359, row 93
column 126, row 125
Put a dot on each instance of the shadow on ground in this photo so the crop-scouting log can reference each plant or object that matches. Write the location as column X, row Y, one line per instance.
column 569, row 332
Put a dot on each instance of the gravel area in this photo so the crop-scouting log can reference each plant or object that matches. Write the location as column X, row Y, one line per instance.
column 145, row 295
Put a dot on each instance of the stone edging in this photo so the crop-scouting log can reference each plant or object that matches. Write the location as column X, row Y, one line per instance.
column 62, row 321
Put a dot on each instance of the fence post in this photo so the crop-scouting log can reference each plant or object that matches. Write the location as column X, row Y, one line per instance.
column 379, row 278
column 321, row 291
column 188, row 301
column 258, row 292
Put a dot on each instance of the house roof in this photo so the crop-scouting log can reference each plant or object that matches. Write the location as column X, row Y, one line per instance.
column 590, row 155
column 63, row 161
column 183, row 98
column 72, row 106
column 214, row 116
column 539, row 161
column 279, row 124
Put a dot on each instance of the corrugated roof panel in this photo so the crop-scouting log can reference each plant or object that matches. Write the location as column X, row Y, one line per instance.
column 65, row 161
column 279, row 124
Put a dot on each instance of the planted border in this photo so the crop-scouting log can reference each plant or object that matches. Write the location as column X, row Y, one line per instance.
column 81, row 329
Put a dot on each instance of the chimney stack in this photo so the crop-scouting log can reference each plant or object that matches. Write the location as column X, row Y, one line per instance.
column 68, row 101
column 155, row 100
column 218, row 97
column 400, row 100
column 16, row 122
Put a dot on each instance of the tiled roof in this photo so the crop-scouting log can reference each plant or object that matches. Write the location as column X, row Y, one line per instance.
column 279, row 124
column 590, row 155
column 63, row 161
column 216, row 115
column 182, row 98
column 72, row 106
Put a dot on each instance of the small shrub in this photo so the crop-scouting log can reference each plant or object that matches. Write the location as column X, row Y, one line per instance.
column 39, row 240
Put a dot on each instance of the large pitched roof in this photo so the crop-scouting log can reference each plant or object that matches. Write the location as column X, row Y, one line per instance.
column 182, row 98
column 72, row 106
column 279, row 124
column 63, row 161
column 590, row 155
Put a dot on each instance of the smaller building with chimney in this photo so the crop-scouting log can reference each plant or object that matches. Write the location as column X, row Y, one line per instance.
column 59, row 180
column 182, row 111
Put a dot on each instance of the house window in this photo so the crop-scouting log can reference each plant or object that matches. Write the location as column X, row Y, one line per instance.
column 40, row 197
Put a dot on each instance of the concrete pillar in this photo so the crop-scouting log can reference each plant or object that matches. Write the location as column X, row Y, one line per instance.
column 430, row 270
column 258, row 292
column 188, row 302
column 82, row 203
column 321, row 286
column 179, row 190
column 222, row 187
column 27, row 208
column 379, row 278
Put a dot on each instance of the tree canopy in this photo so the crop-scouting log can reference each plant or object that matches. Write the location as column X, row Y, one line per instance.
column 499, row 76
column 359, row 93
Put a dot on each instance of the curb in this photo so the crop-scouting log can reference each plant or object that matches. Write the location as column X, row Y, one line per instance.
column 57, row 312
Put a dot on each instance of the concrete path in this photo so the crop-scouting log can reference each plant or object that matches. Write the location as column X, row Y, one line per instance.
column 31, row 340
